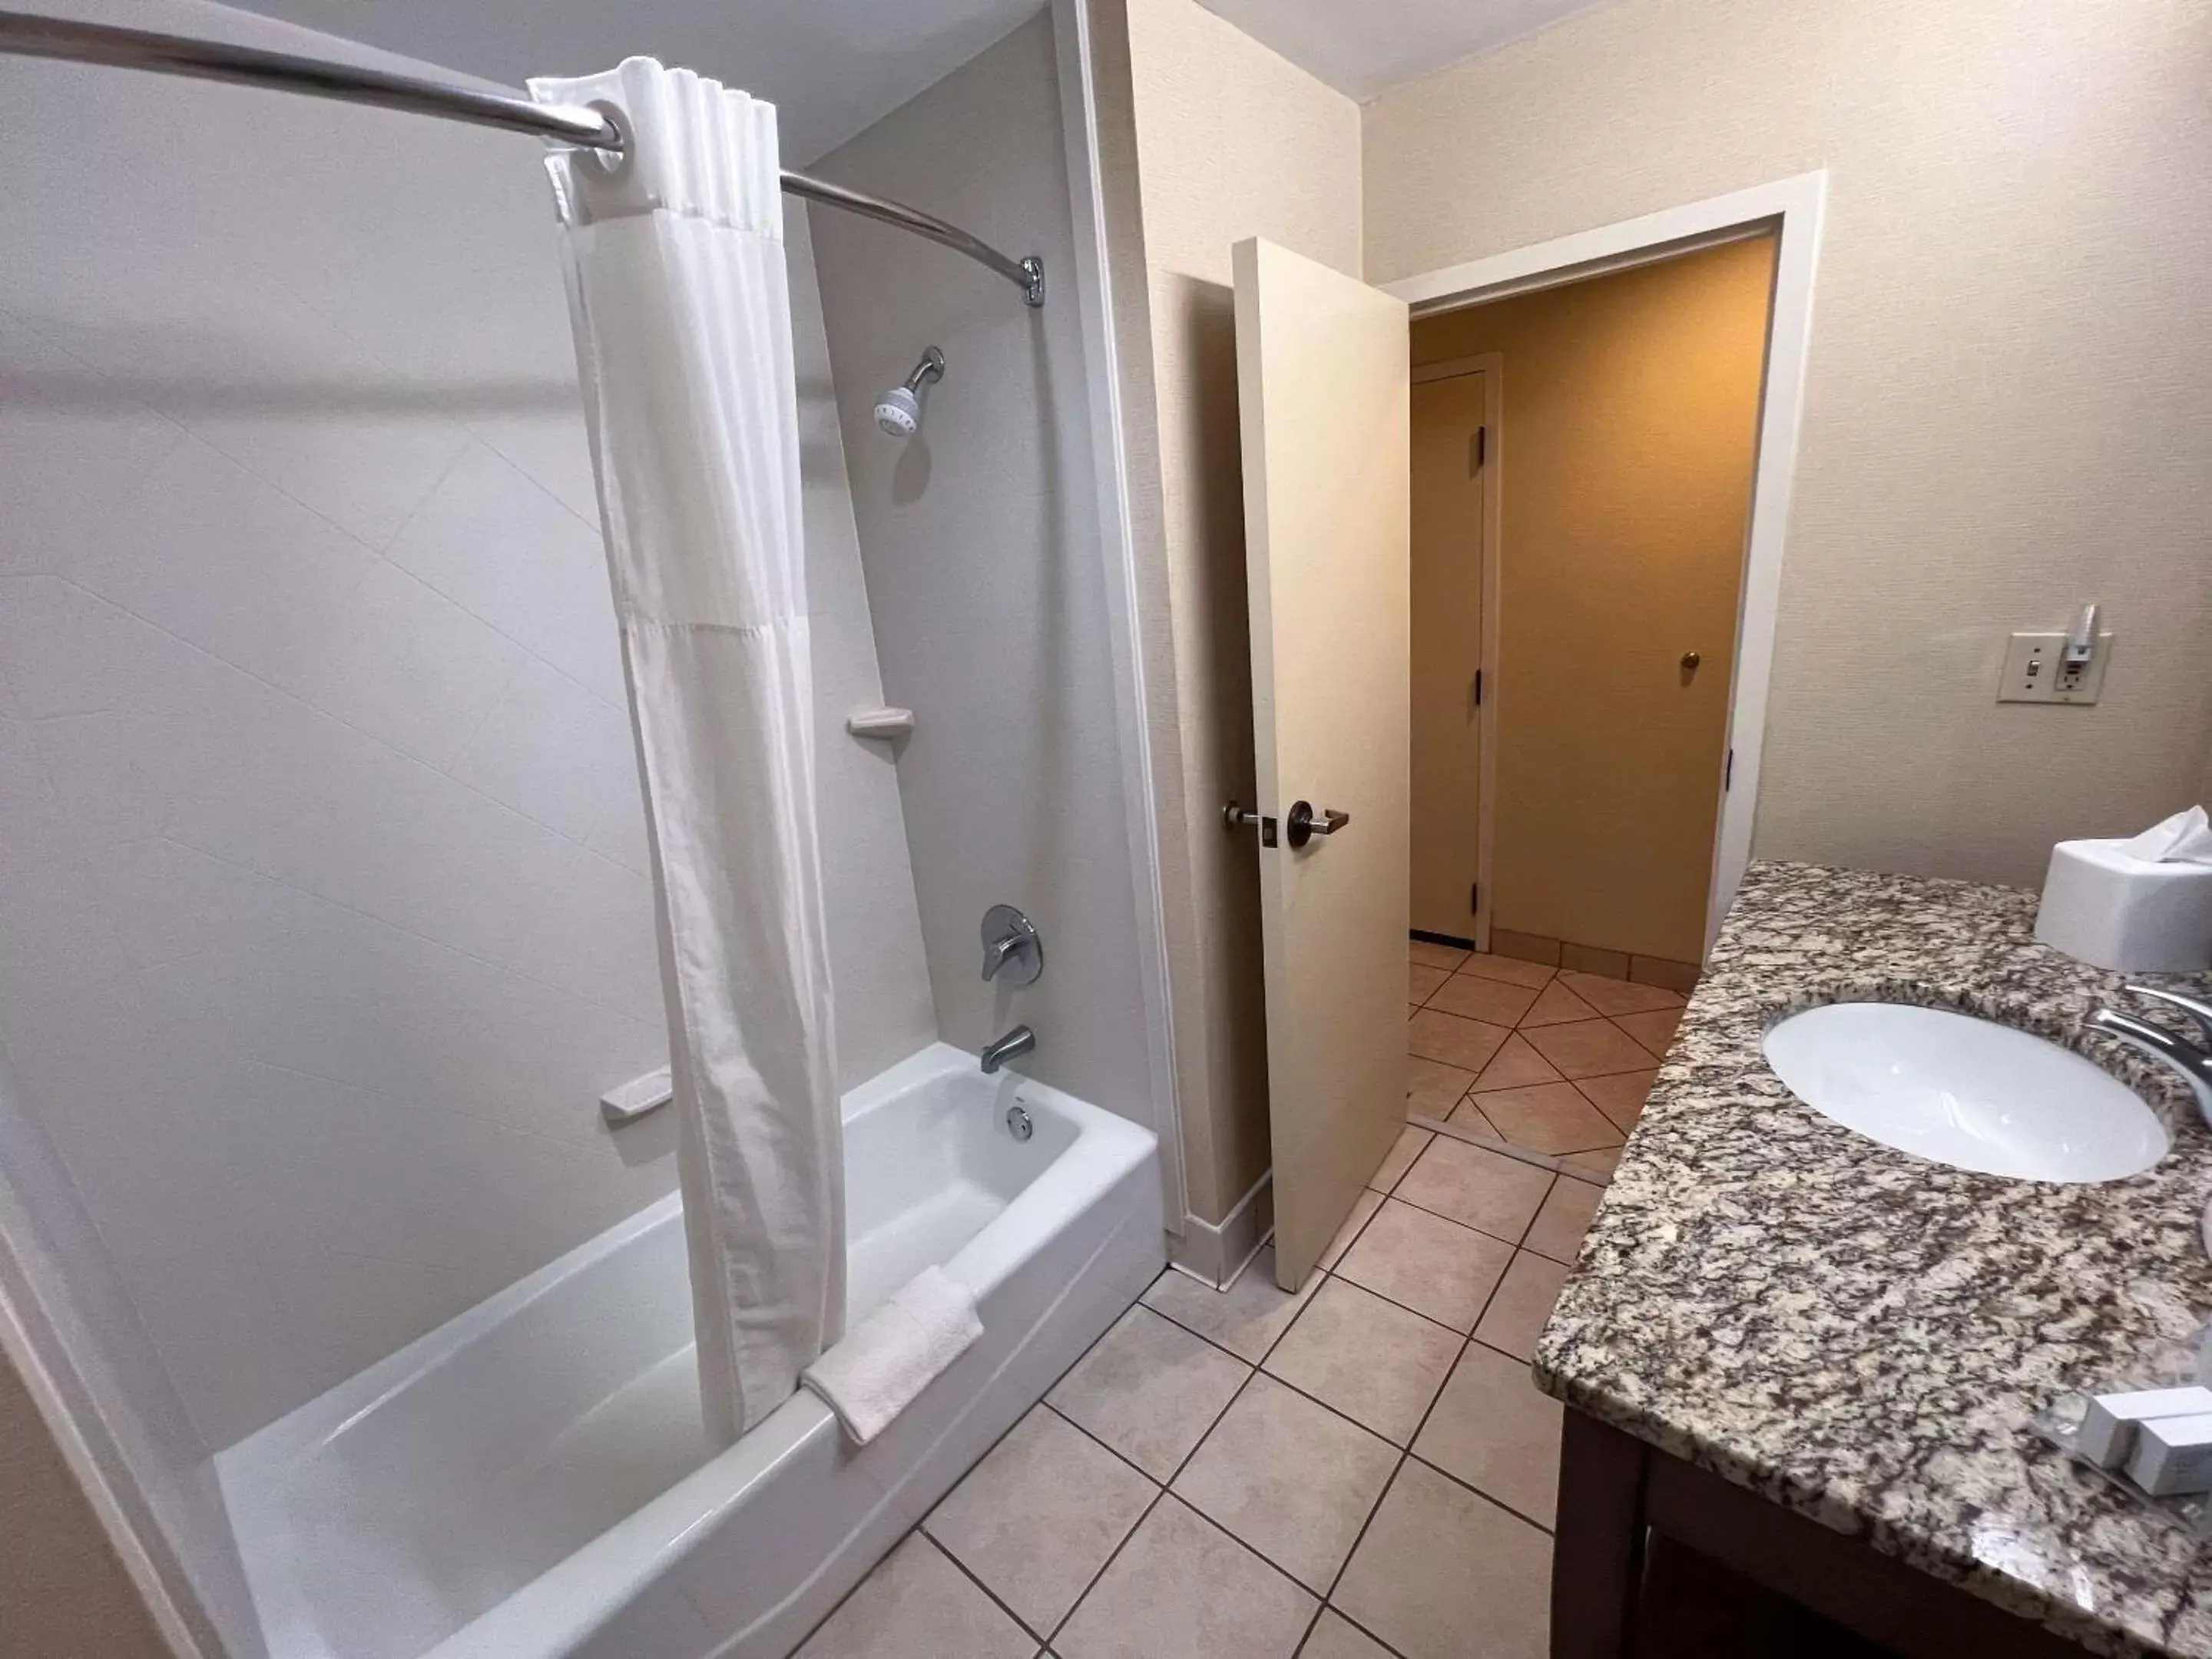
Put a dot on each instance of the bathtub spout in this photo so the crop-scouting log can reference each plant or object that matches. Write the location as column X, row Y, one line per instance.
column 1019, row 1040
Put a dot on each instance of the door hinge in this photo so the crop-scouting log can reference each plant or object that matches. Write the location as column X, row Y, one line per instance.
column 1728, row 772
column 1481, row 446
column 1478, row 688
column 1474, row 896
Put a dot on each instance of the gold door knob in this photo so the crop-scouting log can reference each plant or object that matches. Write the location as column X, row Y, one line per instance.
column 1689, row 661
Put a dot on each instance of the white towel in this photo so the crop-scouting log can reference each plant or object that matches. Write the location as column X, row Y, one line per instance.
column 892, row 1355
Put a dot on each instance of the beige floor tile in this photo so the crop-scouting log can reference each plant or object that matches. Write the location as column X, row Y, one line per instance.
column 1512, row 970
column 1371, row 1359
column 1587, row 1048
column 1289, row 1478
column 1421, row 982
column 1477, row 998
column 1467, row 1043
column 1516, row 1066
column 1363, row 1207
column 1494, row 1428
column 1336, row 1636
column 1183, row 1589
column 1598, row 1166
column 1442, row 1574
column 1433, row 1088
column 1551, row 1118
column 1559, row 1226
column 1555, row 1005
column 1522, row 1304
column 1039, row 1516
column 1400, row 1158
column 1245, row 1319
column 1150, row 1389
column 1497, row 1195
column 1619, row 996
column 1620, row 1095
column 1660, row 971
column 1426, row 1263
column 1468, row 1115
column 1430, row 954
column 1655, row 1031
column 917, row 1605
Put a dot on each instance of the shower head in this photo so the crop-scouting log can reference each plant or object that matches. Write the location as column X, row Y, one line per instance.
column 898, row 412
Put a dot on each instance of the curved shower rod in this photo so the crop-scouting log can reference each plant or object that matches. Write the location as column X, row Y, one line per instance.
column 27, row 34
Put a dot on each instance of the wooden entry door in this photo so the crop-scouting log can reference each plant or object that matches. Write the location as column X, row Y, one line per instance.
column 1451, row 472
column 1322, row 387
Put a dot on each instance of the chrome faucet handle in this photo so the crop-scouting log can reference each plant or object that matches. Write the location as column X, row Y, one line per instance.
column 2161, row 1045
column 2197, row 1010
column 1011, row 944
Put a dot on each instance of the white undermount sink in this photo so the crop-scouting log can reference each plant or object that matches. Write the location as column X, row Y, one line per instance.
column 1966, row 1092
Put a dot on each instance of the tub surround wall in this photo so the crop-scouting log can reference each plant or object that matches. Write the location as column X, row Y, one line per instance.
column 321, row 863
column 2004, row 410
column 980, row 540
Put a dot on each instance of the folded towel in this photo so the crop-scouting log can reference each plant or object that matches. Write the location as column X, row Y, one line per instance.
column 891, row 1355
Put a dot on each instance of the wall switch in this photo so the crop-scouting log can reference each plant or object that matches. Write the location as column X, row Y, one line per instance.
column 2035, row 670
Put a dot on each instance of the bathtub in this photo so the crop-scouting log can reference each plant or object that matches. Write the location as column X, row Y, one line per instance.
column 532, row 1478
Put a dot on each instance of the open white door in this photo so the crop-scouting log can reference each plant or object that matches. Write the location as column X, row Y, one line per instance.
column 1322, row 388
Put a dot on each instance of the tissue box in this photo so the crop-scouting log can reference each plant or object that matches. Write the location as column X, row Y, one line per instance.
column 2112, row 909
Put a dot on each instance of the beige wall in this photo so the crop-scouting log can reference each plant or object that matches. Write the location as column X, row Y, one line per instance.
column 1629, row 429
column 2006, row 410
column 1229, row 142
column 64, row 1593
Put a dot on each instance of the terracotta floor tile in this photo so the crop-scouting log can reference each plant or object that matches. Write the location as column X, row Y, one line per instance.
column 1421, row 982
column 1559, row 1226
column 1467, row 1043
column 1556, row 1005
column 1512, row 970
column 1619, row 1095
column 1587, row 1048
column 1430, row 954
column 1432, row 1088
column 1620, row 996
column 1477, row 998
column 1655, row 1031
column 1515, row 1066
column 1551, row 1118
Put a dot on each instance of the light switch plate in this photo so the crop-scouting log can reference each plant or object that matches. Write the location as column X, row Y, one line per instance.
column 2035, row 672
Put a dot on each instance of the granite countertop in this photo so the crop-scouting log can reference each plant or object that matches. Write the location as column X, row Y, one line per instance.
column 1863, row 1336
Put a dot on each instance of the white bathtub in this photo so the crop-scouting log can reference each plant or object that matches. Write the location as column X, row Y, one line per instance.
column 531, row 1480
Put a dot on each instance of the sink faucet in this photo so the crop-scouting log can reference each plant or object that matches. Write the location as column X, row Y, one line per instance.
column 1020, row 1040
column 2192, row 1060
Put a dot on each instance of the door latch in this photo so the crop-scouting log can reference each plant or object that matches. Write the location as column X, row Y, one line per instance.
column 1234, row 817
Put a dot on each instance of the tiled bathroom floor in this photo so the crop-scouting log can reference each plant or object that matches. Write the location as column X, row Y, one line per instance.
column 1361, row 1470
column 1554, row 1062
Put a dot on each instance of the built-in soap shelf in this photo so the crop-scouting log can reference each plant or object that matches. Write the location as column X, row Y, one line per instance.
column 885, row 723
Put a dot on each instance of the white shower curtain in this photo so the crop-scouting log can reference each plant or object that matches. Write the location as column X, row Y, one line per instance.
column 682, row 321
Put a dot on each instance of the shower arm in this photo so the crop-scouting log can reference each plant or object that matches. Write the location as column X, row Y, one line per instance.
column 27, row 34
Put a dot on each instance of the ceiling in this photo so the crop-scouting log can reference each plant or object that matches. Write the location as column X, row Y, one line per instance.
column 831, row 67
column 1366, row 48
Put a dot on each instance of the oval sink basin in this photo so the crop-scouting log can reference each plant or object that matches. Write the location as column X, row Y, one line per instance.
column 1966, row 1092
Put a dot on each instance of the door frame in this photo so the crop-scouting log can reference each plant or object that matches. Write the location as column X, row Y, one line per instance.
column 1490, row 365
column 1793, row 209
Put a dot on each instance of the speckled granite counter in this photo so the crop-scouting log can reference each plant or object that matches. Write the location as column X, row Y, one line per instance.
column 1863, row 1336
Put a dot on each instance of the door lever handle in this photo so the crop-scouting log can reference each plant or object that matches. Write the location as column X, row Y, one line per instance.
column 1302, row 825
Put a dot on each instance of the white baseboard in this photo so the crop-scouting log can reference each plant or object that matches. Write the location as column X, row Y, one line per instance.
column 1217, row 1251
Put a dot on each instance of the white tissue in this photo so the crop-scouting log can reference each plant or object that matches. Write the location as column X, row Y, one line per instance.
column 2185, row 838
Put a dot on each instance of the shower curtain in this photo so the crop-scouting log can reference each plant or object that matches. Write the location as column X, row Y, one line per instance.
column 678, row 292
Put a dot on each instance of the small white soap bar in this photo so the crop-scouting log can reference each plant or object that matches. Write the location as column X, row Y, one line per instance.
column 2172, row 1455
column 2108, row 1434
column 2112, row 909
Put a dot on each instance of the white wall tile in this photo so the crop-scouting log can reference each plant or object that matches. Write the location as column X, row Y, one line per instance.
column 407, row 664
column 498, row 545
column 562, row 755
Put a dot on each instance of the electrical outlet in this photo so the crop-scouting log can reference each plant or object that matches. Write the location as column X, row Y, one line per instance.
column 2035, row 671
